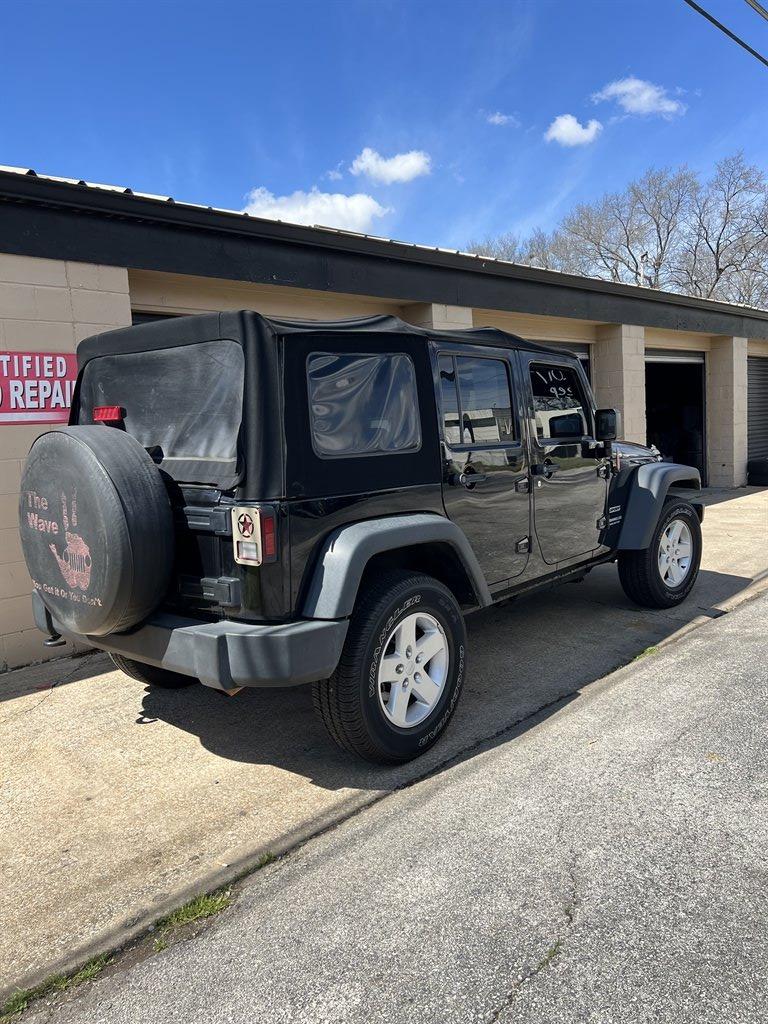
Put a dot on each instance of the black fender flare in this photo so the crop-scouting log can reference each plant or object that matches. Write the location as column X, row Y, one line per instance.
column 345, row 553
column 647, row 493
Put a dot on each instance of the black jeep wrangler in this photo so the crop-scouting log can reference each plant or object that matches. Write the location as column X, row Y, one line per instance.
column 246, row 501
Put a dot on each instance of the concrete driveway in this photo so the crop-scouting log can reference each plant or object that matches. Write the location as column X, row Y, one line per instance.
column 118, row 803
column 604, row 863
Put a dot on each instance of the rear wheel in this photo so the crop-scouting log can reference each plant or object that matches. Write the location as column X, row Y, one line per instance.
column 401, row 670
column 151, row 675
column 663, row 574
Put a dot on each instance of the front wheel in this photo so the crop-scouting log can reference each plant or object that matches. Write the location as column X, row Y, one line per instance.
column 401, row 671
column 663, row 574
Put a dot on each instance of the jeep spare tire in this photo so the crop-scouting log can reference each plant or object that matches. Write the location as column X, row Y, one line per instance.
column 96, row 528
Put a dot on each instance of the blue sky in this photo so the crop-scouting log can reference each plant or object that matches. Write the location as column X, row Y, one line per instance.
column 434, row 122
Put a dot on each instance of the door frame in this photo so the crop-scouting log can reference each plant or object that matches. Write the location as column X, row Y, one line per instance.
column 537, row 446
column 700, row 358
column 519, row 413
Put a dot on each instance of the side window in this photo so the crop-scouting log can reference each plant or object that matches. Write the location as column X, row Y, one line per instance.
column 363, row 404
column 476, row 401
column 558, row 401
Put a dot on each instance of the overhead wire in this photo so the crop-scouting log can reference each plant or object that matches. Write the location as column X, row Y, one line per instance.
column 731, row 35
column 759, row 8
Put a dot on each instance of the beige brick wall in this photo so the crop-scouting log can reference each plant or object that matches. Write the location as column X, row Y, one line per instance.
column 152, row 291
column 727, row 412
column 45, row 306
column 618, row 375
column 537, row 328
column 438, row 317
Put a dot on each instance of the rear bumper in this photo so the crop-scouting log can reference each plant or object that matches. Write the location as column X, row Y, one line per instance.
column 226, row 654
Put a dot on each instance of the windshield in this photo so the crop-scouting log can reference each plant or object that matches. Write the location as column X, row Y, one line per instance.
column 183, row 404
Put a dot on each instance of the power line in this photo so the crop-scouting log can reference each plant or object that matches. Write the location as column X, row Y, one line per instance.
column 727, row 31
column 759, row 8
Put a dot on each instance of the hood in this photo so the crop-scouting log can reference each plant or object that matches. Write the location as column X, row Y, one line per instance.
column 630, row 451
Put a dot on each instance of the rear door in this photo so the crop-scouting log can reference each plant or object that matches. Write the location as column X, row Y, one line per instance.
column 485, row 465
column 570, row 484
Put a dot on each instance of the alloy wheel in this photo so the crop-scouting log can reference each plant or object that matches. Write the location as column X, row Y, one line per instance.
column 675, row 550
column 413, row 670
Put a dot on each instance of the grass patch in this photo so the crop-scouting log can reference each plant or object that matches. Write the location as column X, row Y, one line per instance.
column 196, row 910
column 550, row 955
column 20, row 1000
column 644, row 654
column 264, row 859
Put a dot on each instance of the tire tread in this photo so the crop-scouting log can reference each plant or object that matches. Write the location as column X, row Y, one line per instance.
column 336, row 699
column 638, row 571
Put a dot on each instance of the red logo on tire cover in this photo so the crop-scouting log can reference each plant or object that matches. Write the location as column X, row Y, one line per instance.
column 245, row 524
column 75, row 564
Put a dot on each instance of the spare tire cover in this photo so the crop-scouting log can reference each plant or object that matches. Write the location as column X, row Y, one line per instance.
column 96, row 528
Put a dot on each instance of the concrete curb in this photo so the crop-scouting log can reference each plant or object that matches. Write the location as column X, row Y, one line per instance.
column 132, row 928
column 758, row 586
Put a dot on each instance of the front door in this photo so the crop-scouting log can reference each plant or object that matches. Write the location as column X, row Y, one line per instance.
column 485, row 465
column 569, row 484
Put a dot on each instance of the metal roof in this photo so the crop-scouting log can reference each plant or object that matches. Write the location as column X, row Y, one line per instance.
column 25, row 185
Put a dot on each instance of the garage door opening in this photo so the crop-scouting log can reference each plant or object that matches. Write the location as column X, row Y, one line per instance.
column 674, row 407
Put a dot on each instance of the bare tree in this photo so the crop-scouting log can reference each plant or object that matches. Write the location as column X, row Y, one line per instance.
column 662, row 201
column 725, row 253
column 501, row 247
column 666, row 230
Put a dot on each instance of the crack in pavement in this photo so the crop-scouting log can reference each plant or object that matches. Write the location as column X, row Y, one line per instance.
column 48, row 690
column 570, row 911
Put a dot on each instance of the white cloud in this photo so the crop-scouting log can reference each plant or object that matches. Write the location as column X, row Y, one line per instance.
column 334, row 175
column 636, row 96
column 499, row 119
column 568, row 131
column 331, row 209
column 387, row 170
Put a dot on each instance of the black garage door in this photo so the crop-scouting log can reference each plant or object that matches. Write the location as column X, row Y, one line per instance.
column 757, row 407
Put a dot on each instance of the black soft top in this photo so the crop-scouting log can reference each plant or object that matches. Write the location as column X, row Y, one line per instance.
column 247, row 325
column 275, row 459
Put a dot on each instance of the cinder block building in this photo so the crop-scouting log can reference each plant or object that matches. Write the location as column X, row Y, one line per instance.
column 77, row 259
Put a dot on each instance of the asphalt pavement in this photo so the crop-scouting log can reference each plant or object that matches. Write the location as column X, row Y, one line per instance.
column 606, row 860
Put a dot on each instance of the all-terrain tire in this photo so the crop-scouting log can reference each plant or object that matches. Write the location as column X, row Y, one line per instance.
column 639, row 570
column 151, row 675
column 349, row 704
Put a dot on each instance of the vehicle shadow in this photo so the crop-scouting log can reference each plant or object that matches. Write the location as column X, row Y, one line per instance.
column 48, row 675
column 525, row 659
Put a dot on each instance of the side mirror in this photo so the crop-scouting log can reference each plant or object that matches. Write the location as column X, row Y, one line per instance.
column 607, row 424
column 568, row 425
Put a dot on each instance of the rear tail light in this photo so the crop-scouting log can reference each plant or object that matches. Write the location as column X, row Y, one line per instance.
column 107, row 414
column 268, row 537
column 254, row 534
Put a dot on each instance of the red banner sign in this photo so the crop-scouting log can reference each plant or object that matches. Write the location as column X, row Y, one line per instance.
column 36, row 387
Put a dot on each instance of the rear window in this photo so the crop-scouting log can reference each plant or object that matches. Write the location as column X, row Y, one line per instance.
column 363, row 404
column 183, row 404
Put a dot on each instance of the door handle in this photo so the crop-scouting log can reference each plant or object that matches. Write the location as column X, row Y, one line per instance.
column 467, row 479
column 545, row 469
